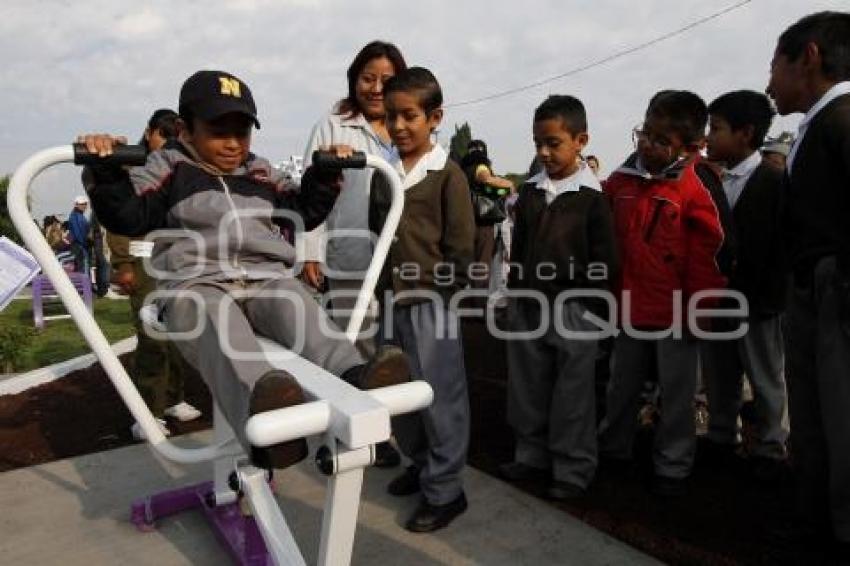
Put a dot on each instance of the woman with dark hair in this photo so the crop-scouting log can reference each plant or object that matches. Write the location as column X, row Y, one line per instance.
column 356, row 121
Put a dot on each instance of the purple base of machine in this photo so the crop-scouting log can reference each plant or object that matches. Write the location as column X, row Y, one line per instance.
column 239, row 534
column 41, row 287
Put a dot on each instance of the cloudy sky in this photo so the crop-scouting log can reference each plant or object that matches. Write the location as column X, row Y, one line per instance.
column 102, row 65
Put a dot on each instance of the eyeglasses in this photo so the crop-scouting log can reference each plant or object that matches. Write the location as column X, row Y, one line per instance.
column 659, row 142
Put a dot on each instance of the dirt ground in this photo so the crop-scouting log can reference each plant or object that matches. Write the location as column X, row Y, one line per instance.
column 726, row 518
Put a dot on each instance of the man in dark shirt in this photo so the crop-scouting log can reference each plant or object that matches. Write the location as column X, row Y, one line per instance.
column 810, row 73
column 78, row 226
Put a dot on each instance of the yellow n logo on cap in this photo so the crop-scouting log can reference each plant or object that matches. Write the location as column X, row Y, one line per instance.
column 230, row 86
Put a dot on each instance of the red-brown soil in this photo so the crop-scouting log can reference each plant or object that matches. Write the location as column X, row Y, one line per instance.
column 726, row 518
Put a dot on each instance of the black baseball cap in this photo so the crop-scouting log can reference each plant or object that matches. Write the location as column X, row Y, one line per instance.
column 210, row 94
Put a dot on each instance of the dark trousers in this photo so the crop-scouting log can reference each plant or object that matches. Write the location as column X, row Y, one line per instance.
column 156, row 368
column 551, row 404
column 818, row 351
column 435, row 438
column 636, row 360
column 81, row 258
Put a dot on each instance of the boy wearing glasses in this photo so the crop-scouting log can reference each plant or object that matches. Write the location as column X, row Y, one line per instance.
column 668, row 233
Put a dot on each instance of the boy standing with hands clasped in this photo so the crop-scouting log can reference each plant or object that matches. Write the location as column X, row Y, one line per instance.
column 738, row 123
column 563, row 240
column 427, row 264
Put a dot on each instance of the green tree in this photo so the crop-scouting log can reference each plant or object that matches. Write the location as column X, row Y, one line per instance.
column 6, row 227
column 459, row 142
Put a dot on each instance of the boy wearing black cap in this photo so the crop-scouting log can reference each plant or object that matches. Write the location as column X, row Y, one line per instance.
column 230, row 278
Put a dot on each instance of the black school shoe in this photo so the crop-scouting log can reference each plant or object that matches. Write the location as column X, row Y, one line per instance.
column 668, row 488
column 717, row 455
column 277, row 389
column 405, row 484
column 517, row 471
column 386, row 456
column 564, row 491
column 389, row 366
column 768, row 471
column 428, row 518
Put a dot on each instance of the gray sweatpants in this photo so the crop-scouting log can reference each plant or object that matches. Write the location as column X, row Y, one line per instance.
column 634, row 362
column 759, row 354
column 436, row 438
column 551, row 396
column 229, row 316
column 818, row 348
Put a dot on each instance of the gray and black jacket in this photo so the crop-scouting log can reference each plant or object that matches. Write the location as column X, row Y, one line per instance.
column 211, row 226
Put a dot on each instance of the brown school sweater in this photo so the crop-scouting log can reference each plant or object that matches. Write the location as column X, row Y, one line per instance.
column 433, row 245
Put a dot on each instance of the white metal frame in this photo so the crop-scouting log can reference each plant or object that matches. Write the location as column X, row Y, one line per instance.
column 352, row 421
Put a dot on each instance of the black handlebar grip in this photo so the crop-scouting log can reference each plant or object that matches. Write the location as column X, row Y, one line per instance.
column 329, row 160
column 121, row 155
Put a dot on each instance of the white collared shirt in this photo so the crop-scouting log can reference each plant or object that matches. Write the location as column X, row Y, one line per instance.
column 736, row 178
column 837, row 90
column 583, row 177
column 434, row 160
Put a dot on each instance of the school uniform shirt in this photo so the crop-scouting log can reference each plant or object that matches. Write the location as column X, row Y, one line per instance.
column 736, row 178
column 436, row 233
column 583, row 177
column 838, row 89
column 561, row 227
column 345, row 253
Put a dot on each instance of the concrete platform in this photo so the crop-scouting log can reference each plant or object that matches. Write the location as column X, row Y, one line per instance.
column 75, row 512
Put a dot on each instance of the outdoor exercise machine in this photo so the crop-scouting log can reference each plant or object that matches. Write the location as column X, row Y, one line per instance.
column 349, row 421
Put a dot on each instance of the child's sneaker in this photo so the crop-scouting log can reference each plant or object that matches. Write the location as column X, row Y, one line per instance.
column 150, row 316
column 275, row 390
column 183, row 412
column 139, row 433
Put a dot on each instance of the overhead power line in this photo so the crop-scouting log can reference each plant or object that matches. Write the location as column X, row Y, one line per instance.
column 606, row 59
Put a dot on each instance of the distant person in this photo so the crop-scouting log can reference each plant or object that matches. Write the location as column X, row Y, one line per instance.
column 775, row 153
column 668, row 233
column 593, row 162
column 98, row 260
column 810, row 73
column 156, row 367
column 738, row 123
column 80, row 233
column 561, row 215
column 488, row 193
column 54, row 234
